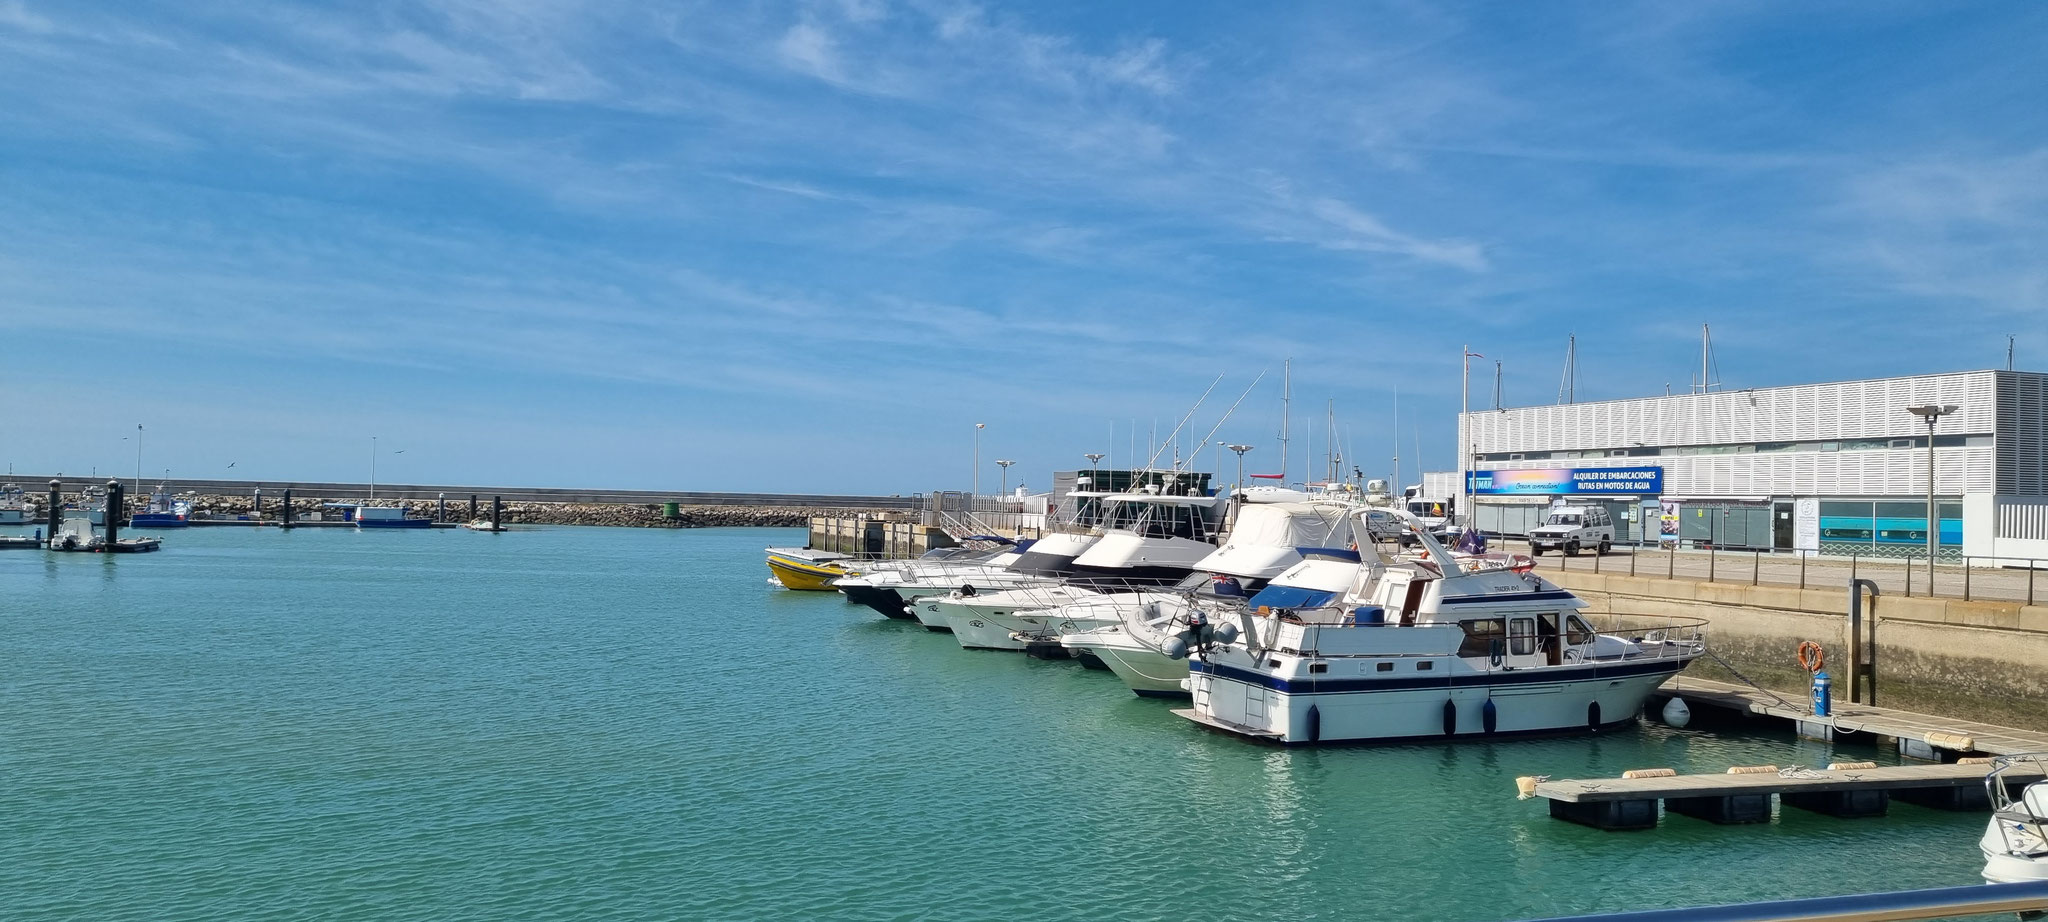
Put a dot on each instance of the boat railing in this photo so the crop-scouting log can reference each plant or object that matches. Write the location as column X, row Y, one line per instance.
column 2022, row 821
column 1654, row 636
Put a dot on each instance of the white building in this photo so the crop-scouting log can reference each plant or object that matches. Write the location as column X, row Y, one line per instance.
column 1834, row 468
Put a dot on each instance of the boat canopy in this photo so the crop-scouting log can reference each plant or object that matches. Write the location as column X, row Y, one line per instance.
column 1291, row 525
column 1278, row 596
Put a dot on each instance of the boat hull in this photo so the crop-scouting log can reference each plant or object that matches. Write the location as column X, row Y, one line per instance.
column 395, row 523
column 1146, row 672
column 804, row 575
column 882, row 599
column 1592, row 698
column 157, row 520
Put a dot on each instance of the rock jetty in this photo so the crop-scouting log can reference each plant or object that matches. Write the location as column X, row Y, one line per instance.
column 644, row 515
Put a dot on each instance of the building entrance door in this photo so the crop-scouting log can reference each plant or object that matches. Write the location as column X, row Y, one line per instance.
column 1781, row 526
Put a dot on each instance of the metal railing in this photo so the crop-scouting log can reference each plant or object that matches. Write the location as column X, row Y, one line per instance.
column 1970, row 578
column 1944, row 902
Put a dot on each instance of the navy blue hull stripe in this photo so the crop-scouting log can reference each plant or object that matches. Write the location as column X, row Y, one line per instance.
column 1546, row 596
column 1539, row 676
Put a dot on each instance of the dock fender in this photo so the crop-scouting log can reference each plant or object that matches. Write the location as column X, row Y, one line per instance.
column 1489, row 716
column 1593, row 715
column 1450, row 716
column 1312, row 724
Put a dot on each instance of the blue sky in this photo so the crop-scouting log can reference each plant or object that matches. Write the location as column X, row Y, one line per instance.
column 806, row 247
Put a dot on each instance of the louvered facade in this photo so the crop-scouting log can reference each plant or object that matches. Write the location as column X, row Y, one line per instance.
column 1849, row 440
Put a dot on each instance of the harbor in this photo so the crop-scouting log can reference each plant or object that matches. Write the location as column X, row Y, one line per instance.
column 560, row 682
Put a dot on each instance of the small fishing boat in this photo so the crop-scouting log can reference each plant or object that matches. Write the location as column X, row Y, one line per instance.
column 2015, row 842
column 14, row 506
column 162, row 510
column 808, row 569
column 384, row 517
column 483, row 525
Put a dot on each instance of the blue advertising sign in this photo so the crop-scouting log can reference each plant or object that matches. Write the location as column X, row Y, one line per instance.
column 1566, row 481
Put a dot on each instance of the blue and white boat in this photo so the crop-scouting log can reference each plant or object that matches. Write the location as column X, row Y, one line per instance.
column 1429, row 647
column 162, row 511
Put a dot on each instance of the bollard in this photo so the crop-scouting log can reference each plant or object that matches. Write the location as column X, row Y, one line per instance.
column 1713, row 557
column 1756, row 562
column 1802, row 569
column 1966, row 579
column 1909, row 576
column 287, row 509
column 56, row 510
column 111, row 519
column 1671, row 560
column 1631, row 563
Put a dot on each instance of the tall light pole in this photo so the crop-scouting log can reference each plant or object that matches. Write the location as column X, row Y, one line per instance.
column 1932, row 413
column 1005, row 465
column 1094, row 462
column 138, row 459
column 1464, row 447
column 1240, row 449
column 977, row 465
column 373, row 467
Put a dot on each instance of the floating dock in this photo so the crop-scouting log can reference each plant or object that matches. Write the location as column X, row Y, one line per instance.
column 1922, row 736
column 19, row 543
column 1844, row 790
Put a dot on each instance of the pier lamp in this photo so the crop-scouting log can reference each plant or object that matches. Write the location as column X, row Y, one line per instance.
column 976, row 491
column 1932, row 413
column 1094, row 475
column 1005, row 465
column 1240, row 450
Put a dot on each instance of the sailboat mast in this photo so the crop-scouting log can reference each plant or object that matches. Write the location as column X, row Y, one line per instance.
column 1287, row 395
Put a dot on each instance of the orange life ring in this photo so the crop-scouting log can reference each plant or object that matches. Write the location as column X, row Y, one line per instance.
column 1811, row 656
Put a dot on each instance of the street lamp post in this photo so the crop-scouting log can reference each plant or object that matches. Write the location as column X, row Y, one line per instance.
column 1932, row 413
column 1005, row 465
column 373, row 467
column 1094, row 459
column 138, row 459
column 1240, row 450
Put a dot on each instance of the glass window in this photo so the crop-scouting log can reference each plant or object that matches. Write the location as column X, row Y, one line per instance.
column 1564, row 518
column 1522, row 636
column 1480, row 636
column 1577, row 631
column 1425, row 665
column 1894, row 510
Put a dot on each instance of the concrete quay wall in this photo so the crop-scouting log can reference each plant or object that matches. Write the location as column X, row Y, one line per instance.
column 1980, row 660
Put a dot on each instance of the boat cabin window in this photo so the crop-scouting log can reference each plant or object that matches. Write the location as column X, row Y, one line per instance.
column 1159, row 520
column 1480, row 636
column 1425, row 665
column 1087, row 511
column 1384, row 667
column 1577, row 631
column 1521, row 636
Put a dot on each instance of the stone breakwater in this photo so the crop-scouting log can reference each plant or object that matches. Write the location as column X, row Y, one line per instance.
column 642, row 515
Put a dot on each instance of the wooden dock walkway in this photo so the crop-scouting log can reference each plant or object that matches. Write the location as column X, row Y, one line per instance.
column 1962, row 737
column 1887, row 778
column 1850, row 791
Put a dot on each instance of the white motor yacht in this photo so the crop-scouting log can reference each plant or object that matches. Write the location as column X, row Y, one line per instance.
column 1423, row 648
column 2015, row 842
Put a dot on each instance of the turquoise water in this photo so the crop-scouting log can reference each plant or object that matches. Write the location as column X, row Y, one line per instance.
column 581, row 723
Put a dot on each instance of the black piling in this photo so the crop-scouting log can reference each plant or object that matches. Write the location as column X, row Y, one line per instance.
column 56, row 510
column 287, row 523
column 497, row 512
column 111, row 519
column 441, row 513
column 472, row 507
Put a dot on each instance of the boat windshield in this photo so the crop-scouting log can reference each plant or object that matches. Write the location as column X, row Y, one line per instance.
column 1158, row 520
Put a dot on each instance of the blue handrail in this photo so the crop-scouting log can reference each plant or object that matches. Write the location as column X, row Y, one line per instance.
column 2031, row 896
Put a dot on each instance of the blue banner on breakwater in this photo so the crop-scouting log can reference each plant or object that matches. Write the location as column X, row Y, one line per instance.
column 1565, row 481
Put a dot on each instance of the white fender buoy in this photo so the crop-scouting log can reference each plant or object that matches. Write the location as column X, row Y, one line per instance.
column 1676, row 713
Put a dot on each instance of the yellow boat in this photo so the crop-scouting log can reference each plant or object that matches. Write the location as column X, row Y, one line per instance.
column 807, row 569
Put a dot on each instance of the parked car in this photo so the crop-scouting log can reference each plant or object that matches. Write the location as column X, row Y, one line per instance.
column 1571, row 529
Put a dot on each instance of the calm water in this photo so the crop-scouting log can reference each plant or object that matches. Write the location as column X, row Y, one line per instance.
column 623, row 724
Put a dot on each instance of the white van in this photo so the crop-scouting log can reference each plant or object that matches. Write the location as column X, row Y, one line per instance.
column 1573, row 528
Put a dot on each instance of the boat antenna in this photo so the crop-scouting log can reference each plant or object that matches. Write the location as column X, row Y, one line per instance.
column 1184, row 419
column 1396, row 440
column 1233, row 409
column 1567, row 386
